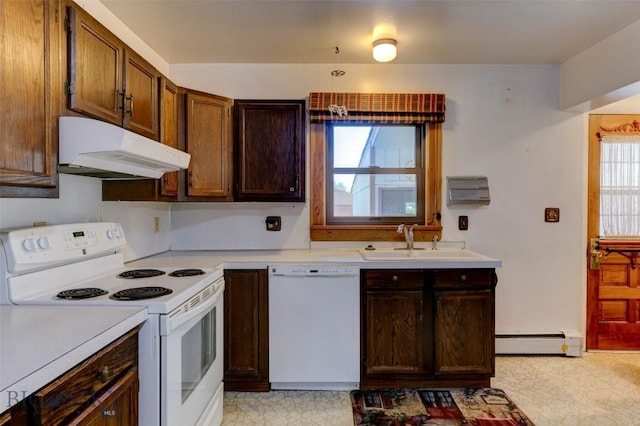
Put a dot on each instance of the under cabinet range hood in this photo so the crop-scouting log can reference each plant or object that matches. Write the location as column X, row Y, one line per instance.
column 95, row 148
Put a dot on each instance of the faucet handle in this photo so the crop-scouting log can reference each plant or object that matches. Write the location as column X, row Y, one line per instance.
column 400, row 228
column 434, row 238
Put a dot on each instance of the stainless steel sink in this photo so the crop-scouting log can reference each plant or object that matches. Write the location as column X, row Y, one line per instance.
column 388, row 253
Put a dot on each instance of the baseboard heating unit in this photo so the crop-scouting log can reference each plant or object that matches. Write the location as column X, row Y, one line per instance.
column 568, row 343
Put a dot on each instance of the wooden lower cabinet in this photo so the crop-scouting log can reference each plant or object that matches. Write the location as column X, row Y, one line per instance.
column 246, row 331
column 427, row 328
column 102, row 390
column 465, row 333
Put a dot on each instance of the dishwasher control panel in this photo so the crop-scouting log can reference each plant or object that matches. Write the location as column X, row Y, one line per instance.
column 313, row 270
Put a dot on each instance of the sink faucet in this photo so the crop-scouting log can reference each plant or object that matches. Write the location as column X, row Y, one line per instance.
column 434, row 242
column 408, row 234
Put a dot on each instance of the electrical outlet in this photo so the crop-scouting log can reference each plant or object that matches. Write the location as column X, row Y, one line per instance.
column 274, row 223
column 156, row 224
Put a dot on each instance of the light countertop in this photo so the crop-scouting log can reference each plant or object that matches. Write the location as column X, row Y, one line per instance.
column 259, row 259
column 39, row 343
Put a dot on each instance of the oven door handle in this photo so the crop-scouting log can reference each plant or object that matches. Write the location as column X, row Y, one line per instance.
column 170, row 322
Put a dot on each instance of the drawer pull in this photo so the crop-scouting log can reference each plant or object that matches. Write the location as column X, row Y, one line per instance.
column 463, row 277
column 394, row 278
column 104, row 373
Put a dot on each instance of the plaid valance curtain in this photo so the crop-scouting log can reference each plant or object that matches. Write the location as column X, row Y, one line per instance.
column 406, row 108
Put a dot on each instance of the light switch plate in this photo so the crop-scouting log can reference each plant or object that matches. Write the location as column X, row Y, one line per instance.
column 463, row 223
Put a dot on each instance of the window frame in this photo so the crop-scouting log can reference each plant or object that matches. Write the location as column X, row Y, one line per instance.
column 321, row 230
column 417, row 170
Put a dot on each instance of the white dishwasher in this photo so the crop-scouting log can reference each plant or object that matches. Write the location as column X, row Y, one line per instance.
column 314, row 327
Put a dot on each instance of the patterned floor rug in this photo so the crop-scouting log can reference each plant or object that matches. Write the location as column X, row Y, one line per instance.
column 416, row 407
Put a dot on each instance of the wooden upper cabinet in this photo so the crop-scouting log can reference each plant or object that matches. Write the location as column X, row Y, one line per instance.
column 30, row 76
column 208, row 140
column 269, row 146
column 107, row 80
column 141, row 110
column 169, row 131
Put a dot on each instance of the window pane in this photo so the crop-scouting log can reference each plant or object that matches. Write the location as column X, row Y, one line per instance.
column 620, row 186
column 379, row 146
column 369, row 195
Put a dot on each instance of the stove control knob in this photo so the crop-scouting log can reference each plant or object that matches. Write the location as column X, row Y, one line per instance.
column 44, row 243
column 29, row 244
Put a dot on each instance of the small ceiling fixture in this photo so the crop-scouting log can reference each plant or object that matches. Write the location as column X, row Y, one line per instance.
column 385, row 50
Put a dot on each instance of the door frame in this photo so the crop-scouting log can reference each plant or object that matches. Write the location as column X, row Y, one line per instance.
column 624, row 124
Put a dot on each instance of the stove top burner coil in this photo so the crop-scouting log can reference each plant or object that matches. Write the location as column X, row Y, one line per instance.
column 186, row 272
column 140, row 293
column 81, row 293
column 141, row 273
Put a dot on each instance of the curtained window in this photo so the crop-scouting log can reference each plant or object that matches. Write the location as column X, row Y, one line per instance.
column 375, row 163
column 620, row 186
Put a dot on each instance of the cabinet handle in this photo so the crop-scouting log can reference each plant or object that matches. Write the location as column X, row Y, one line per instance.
column 463, row 277
column 104, row 373
column 190, row 179
column 297, row 184
column 130, row 110
column 394, row 278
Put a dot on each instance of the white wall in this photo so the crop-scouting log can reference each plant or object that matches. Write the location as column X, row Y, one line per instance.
column 502, row 121
column 604, row 73
column 80, row 201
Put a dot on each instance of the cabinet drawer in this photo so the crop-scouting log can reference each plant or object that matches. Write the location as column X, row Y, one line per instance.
column 393, row 279
column 462, row 278
column 81, row 385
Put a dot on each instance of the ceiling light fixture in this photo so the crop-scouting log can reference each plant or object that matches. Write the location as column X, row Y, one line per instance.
column 385, row 50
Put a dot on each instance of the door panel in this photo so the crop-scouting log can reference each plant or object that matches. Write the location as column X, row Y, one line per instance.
column 613, row 273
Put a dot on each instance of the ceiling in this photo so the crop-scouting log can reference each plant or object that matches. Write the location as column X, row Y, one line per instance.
column 427, row 31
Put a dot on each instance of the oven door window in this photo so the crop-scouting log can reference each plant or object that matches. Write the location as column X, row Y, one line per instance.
column 198, row 352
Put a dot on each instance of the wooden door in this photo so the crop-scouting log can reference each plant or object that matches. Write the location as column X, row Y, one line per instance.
column 94, row 69
column 464, row 332
column 30, row 76
column 141, row 112
column 169, row 115
column 208, row 140
column 246, row 330
column 613, row 280
column 269, row 141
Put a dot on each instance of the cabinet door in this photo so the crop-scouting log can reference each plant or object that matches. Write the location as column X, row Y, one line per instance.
column 464, row 332
column 169, row 131
column 246, row 330
column 208, row 140
column 270, row 150
column 393, row 341
column 30, row 76
column 95, row 68
column 141, row 112
column 117, row 406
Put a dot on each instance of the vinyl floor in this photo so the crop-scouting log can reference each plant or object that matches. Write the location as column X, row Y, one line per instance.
column 597, row 389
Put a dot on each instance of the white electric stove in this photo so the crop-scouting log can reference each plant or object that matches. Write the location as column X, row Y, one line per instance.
column 181, row 344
